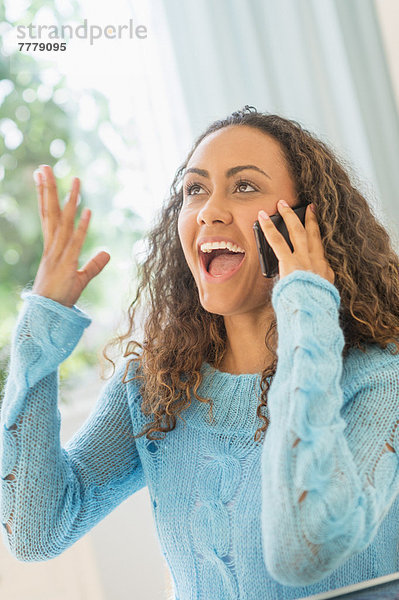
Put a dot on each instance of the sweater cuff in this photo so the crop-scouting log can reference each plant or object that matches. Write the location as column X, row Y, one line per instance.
column 72, row 313
column 45, row 334
column 298, row 294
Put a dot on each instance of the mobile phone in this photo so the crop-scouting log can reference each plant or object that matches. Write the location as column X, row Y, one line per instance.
column 267, row 258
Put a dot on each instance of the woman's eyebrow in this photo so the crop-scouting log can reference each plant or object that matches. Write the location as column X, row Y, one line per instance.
column 229, row 172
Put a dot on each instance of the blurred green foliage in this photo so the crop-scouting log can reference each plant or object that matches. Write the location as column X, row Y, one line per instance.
column 38, row 125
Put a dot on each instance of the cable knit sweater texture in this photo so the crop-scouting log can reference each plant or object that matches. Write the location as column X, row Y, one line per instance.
column 311, row 507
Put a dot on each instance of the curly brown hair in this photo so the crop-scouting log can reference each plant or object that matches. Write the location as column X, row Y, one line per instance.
column 179, row 334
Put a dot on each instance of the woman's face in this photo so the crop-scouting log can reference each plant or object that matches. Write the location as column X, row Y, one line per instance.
column 226, row 207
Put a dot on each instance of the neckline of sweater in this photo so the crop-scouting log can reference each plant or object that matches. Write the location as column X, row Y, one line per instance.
column 235, row 400
column 229, row 376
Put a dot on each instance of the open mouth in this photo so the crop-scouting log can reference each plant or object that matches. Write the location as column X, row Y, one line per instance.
column 221, row 261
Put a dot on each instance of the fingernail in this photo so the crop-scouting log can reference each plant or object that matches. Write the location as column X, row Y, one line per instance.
column 36, row 176
column 263, row 215
column 43, row 172
column 312, row 207
column 283, row 202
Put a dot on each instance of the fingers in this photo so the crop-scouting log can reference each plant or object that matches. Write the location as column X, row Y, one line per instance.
column 313, row 231
column 67, row 220
column 57, row 225
column 57, row 276
column 51, row 205
column 75, row 243
column 72, row 200
column 94, row 266
column 38, row 178
column 297, row 233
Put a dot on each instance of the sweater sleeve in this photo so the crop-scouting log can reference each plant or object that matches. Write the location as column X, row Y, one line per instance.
column 51, row 496
column 326, row 487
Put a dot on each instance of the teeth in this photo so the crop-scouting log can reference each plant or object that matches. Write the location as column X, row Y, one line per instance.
column 209, row 246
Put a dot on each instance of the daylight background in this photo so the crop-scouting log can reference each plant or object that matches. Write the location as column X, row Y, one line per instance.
column 121, row 114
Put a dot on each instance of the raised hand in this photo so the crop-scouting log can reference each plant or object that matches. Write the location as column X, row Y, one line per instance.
column 58, row 276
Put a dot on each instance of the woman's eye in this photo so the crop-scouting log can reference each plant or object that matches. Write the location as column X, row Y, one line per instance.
column 245, row 183
column 189, row 188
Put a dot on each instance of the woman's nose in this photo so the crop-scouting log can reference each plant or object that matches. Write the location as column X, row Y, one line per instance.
column 215, row 208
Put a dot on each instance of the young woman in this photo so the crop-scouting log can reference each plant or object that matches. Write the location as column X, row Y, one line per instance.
column 295, row 501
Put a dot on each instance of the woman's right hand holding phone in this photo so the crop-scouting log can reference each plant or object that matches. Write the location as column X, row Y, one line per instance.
column 58, row 276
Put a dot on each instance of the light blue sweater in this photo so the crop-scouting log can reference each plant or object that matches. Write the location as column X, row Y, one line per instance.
column 236, row 519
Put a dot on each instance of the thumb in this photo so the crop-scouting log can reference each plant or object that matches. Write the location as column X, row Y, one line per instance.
column 95, row 265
